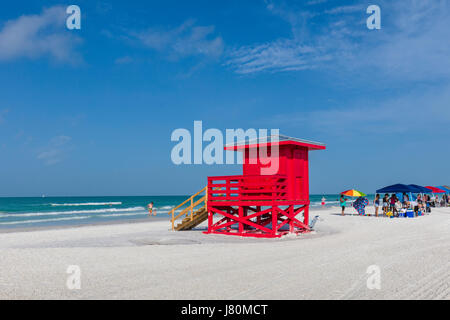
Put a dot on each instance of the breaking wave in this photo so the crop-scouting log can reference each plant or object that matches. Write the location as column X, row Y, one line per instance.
column 74, row 212
column 85, row 204
column 41, row 220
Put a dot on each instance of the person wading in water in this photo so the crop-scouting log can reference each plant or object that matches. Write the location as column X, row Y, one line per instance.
column 150, row 209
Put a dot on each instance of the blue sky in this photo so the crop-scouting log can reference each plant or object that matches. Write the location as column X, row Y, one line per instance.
column 91, row 111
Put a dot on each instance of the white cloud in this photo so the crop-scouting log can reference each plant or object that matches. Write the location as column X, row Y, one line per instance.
column 305, row 49
column 55, row 150
column 281, row 55
column 41, row 35
column 411, row 46
column 183, row 41
column 417, row 44
column 345, row 9
column 422, row 112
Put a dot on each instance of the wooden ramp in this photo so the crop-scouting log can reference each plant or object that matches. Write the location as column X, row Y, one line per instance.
column 192, row 210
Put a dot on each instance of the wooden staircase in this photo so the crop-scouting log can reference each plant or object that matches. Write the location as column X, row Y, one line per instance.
column 198, row 217
column 193, row 209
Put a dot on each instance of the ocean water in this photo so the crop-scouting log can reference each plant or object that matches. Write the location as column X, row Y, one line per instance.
column 51, row 211
column 55, row 211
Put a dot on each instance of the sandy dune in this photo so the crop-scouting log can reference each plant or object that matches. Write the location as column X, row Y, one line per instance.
column 146, row 260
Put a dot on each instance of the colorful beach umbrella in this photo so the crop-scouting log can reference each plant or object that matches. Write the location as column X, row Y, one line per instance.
column 434, row 189
column 447, row 190
column 353, row 193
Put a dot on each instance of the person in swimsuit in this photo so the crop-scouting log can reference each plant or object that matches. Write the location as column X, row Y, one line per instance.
column 419, row 202
column 405, row 200
column 385, row 204
column 343, row 203
column 376, row 203
column 323, row 201
column 427, row 203
column 150, row 209
column 393, row 200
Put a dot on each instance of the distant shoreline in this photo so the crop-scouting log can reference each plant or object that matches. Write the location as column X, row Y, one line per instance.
column 82, row 225
column 24, row 214
column 157, row 218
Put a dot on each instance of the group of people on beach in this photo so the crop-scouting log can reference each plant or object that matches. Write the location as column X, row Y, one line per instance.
column 422, row 203
column 359, row 204
column 391, row 203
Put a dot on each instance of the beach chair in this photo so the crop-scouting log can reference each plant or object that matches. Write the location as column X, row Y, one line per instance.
column 313, row 222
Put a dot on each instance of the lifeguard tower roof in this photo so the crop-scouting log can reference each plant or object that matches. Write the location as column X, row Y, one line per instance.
column 274, row 140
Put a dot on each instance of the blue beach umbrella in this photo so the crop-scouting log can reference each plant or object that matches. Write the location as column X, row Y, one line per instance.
column 396, row 188
column 399, row 189
column 420, row 188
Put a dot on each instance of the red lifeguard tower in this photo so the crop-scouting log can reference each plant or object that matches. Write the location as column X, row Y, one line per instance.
column 255, row 204
column 258, row 205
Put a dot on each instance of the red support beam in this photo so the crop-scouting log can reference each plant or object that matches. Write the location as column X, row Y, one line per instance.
column 234, row 197
column 240, row 220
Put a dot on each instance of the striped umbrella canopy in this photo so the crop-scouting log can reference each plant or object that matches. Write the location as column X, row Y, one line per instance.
column 353, row 193
column 447, row 190
column 434, row 189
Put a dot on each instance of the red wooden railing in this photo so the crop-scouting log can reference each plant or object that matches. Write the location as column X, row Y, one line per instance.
column 247, row 188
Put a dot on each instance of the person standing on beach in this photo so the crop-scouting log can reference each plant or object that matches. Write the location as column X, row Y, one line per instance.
column 419, row 203
column 150, row 209
column 433, row 200
column 323, row 200
column 376, row 203
column 427, row 203
column 393, row 200
column 343, row 203
column 405, row 200
column 385, row 204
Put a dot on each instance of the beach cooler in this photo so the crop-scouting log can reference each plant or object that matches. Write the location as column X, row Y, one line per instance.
column 410, row 214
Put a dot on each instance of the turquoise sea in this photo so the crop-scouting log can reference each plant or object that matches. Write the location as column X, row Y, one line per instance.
column 56, row 211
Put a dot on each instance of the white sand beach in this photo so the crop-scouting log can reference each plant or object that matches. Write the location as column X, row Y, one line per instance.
column 147, row 261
